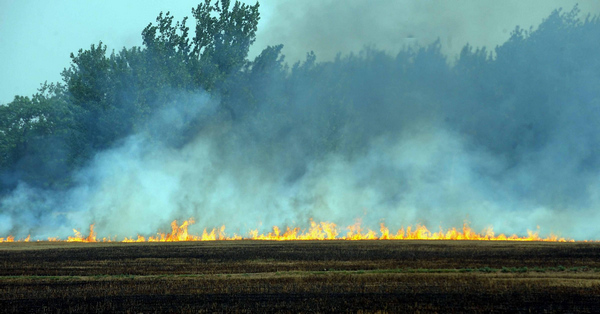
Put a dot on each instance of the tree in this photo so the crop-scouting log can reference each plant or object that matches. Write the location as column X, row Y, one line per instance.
column 95, row 84
column 222, row 42
column 223, row 35
column 34, row 145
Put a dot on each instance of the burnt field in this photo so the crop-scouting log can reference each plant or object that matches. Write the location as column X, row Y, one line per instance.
column 300, row 276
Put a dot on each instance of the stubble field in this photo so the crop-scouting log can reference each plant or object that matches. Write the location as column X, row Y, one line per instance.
column 300, row 276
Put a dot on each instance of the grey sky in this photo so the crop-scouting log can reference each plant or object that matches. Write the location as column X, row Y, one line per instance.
column 36, row 37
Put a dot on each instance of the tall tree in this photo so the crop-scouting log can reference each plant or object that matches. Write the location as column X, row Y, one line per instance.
column 223, row 37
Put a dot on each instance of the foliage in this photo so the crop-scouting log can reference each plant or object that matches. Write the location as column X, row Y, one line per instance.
column 33, row 130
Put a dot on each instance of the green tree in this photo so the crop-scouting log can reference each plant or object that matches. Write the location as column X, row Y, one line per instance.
column 34, row 142
column 223, row 38
column 95, row 84
column 223, row 35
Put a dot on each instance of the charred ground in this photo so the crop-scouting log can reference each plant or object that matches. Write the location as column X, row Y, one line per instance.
column 324, row 276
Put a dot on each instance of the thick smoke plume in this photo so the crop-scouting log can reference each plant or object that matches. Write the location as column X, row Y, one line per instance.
column 510, row 141
column 329, row 27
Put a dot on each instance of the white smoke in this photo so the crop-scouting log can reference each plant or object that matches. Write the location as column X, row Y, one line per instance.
column 427, row 176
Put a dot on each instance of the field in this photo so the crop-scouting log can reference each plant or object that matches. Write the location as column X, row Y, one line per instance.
column 300, row 276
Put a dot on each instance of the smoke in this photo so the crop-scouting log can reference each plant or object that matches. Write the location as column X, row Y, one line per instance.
column 406, row 139
column 329, row 27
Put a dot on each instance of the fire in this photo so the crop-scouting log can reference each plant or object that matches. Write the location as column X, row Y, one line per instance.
column 79, row 238
column 467, row 233
column 180, row 233
column 12, row 239
column 316, row 231
column 8, row 239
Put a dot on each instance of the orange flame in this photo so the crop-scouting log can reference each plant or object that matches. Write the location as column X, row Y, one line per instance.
column 180, row 233
column 7, row 239
column 316, row 231
column 12, row 239
column 80, row 238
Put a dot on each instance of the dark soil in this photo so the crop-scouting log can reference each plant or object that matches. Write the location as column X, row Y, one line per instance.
column 312, row 276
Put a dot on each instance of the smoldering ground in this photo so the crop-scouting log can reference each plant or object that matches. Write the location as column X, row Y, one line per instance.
column 509, row 141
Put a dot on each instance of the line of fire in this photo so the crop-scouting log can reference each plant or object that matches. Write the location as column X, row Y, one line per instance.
column 316, row 231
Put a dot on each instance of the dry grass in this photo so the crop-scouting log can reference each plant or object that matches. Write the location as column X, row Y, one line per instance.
column 328, row 276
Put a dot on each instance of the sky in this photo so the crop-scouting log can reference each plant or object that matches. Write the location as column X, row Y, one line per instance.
column 37, row 37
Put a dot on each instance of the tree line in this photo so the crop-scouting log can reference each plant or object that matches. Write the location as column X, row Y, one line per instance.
column 508, row 100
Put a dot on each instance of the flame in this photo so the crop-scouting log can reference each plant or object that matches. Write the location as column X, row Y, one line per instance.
column 316, row 231
column 80, row 238
column 180, row 233
column 12, row 239
column 7, row 239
